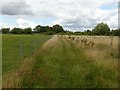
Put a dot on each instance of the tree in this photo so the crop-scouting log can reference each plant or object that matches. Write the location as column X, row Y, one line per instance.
column 101, row 29
column 115, row 32
column 0, row 31
column 27, row 31
column 37, row 29
column 88, row 32
column 17, row 31
column 5, row 30
column 57, row 28
column 48, row 29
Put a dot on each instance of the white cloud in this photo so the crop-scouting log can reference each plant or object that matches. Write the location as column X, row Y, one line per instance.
column 4, row 25
column 69, row 13
column 21, row 23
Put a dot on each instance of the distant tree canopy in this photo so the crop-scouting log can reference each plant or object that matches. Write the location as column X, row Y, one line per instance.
column 17, row 31
column 5, row 30
column 88, row 32
column 115, row 32
column 21, row 31
column 101, row 29
column 48, row 29
column 27, row 31
column 58, row 28
column 38, row 29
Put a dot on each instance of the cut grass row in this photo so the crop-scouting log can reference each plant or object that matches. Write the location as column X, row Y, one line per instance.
column 11, row 58
column 66, row 65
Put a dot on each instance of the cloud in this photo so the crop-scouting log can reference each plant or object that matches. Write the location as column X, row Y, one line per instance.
column 21, row 23
column 71, row 14
column 89, row 19
column 77, row 14
column 15, row 8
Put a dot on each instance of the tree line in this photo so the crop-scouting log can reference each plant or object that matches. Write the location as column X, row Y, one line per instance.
column 38, row 29
column 99, row 29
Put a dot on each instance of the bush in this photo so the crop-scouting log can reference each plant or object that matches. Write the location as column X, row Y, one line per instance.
column 5, row 30
column 101, row 29
column 17, row 31
column 27, row 31
column 115, row 32
column 50, row 33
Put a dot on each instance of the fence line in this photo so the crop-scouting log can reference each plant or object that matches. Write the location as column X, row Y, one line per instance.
column 31, row 48
column 34, row 46
column 21, row 50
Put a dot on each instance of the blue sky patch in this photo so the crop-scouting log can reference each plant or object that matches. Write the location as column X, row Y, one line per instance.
column 109, row 6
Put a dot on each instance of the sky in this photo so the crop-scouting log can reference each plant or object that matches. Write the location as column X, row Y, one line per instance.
column 73, row 15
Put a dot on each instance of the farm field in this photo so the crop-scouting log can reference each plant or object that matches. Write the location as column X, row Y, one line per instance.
column 11, row 49
column 63, row 61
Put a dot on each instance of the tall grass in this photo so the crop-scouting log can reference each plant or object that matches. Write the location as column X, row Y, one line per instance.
column 67, row 65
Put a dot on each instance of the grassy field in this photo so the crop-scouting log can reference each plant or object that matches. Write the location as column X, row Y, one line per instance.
column 11, row 49
column 65, row 61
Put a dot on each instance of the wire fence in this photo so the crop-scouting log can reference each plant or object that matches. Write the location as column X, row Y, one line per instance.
column 16, row 48
column 23, row 49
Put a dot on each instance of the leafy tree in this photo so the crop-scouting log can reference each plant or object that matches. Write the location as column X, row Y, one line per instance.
column 88, row 32
column 57, row 28
column 41, row 29
column 101, row 29
column 5, row 30
column 17, row 31
column 37, row 29
column 0, row 31
column 115, row 32
column 48, row 29
column 28, row 31
column 49, row 33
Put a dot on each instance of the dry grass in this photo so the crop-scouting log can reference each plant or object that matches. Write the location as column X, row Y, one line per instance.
column 104, row 40
column 103, row 53
column 102, row 45
column 50, row 43
column 13, row 80
column 46, row 46
column 64, row 62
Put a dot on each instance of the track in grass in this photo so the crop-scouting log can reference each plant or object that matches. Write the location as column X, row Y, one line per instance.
column 63, row 63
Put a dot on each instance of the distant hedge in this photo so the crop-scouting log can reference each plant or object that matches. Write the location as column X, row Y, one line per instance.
column 99, row 29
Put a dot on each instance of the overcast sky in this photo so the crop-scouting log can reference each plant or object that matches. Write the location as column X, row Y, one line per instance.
column 75, row 15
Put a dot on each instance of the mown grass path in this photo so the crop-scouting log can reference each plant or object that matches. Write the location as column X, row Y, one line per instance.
column 62, row 63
